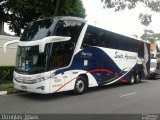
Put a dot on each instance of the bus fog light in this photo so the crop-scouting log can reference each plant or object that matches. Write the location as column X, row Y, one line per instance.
column 41, row 87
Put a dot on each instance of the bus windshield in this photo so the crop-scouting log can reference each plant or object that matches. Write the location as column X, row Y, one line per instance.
column 38, row 30
column 56, row 54
column 30, row 60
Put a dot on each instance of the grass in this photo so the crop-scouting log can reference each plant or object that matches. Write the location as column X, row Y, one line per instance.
column 6, row 81
column 9, row 90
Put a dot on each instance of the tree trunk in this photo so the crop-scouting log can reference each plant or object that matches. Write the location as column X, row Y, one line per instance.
column 56, row 7
column 1, row 28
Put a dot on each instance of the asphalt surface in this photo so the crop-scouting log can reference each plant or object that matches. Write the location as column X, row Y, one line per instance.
column 128, row 99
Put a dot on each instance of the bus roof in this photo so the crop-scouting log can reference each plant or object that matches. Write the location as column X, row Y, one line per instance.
column 65, row 18
column 95, row 25
column 103, row 27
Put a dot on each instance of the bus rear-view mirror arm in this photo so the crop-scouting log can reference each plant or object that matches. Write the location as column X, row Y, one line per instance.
column 41, row 43
column 8, row 43
column 51, row 39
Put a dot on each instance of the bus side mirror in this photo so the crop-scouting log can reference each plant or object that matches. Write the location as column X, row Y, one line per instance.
column 8, row 43
column 51, row 39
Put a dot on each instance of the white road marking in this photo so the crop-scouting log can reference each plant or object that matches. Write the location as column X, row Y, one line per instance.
column 128, row 94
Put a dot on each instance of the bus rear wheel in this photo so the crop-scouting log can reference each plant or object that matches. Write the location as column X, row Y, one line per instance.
column 132, row 79
column 80, row 85
column 156, row 76
column 137, row 78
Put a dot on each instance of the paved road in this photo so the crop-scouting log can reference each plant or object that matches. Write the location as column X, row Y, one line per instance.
column 139, row 98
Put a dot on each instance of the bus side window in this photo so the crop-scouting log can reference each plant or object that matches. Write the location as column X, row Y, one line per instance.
column 92, row 37
column 87, row 40
column 62, row 52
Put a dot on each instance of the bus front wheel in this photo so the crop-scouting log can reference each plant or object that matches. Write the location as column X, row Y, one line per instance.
column 80, row 85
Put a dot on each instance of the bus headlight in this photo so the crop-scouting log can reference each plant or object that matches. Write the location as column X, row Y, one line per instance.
column 41, row 79
column 33, row 81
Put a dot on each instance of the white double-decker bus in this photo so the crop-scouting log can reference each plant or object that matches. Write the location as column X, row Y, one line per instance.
column 66, row 53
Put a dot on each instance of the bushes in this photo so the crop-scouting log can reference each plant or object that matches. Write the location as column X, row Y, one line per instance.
column 6, row 72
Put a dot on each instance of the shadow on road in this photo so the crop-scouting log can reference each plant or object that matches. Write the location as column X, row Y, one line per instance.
column 62, row 95
column 45, row 97
column 113, row 86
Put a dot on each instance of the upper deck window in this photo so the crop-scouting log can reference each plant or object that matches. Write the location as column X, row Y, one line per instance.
column 62, row 52
column 38, row 30
column 102, row 38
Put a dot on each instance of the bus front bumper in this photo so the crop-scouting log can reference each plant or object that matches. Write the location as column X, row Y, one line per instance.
column 41, row 87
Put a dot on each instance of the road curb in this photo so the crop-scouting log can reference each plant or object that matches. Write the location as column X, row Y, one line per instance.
column 3, row 92
column 7, row 85
column 16, row 92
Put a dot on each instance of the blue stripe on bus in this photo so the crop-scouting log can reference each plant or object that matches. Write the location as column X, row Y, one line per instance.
column 97, row 59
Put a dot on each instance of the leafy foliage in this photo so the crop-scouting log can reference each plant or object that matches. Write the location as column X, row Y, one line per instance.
column 6, row 72
column 21, row 12
column 2, row 11
column 144, row 18
column 120, row 4
column 72, row 8
column 149, row 35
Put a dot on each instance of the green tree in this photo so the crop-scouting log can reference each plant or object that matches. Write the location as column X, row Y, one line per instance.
column 145, row 18
column 149, row 35
column 2, row 12
column 21, row 12
column 3, row 15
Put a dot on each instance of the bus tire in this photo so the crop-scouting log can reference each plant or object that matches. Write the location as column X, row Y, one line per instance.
column 156, row 76
column 137, row 78
column 132, row 79
column 80, row 85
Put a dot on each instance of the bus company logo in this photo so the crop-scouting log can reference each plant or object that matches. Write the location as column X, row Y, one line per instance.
column 124, row 56
column 86, row 55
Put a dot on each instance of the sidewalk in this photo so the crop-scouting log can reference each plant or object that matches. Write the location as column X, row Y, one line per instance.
column 8, row 89
column 10, row 85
